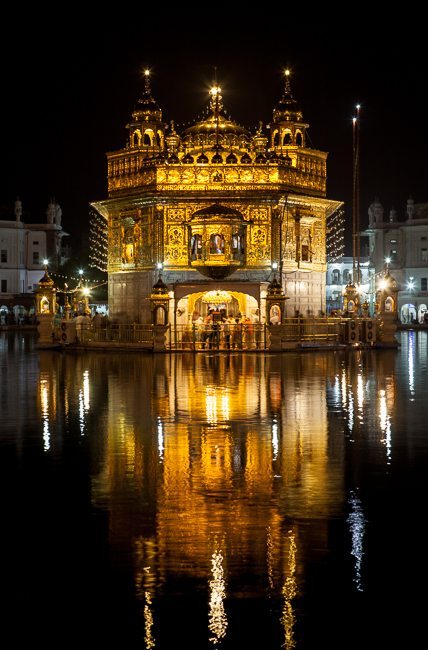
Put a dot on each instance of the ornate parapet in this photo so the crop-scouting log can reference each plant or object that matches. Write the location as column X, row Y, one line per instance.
column 126, row 173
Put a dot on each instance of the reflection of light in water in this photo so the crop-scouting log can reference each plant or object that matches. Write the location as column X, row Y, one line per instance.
column 269, row 556
column 216, row 404
column 360, row 394
column 86, row 390
column 411, row 362
column 275, row 446
column 217, row 615
column 44, row 399
column 160, row 439
column 289, row 592
column 148, row 622
column 336, row 389
column 350, row 412
column 385, row 424
column 356, row 522
column 84, row 402
column 344, row 388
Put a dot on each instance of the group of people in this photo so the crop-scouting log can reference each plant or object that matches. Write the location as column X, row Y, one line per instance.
column 217, row 330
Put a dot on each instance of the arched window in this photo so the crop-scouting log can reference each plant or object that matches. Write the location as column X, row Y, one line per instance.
column 147, row 140
column 160, row 315
column 305, row 253
column 299, row 139
column 335, row 276
column 346, row 277
column 276, row 139
column 216, row 244
column 287, row 138
column 196, row 247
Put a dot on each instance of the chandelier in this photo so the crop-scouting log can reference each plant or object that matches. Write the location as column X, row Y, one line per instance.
column 216, row 297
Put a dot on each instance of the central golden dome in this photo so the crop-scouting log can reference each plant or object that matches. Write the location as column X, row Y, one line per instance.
column 216, row 128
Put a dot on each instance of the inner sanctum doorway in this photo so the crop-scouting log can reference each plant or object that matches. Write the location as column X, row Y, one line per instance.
column 224, row 318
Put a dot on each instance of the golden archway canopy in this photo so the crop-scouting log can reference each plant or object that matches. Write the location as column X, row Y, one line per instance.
column 217, row 297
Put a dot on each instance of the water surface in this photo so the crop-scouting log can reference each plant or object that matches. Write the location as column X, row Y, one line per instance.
column 214, row 501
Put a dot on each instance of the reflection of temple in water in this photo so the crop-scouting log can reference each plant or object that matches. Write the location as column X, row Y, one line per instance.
column 223, row 472
column 220, row 456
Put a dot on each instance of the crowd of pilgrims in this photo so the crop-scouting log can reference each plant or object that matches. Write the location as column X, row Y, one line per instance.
column 217, row 330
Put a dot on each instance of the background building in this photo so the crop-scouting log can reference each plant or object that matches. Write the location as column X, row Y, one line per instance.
column 217, row 208
column 402, row 243
column 23, row 247
column 339, row 274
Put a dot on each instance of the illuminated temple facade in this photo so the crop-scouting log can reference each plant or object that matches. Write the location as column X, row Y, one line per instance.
column 216, row 208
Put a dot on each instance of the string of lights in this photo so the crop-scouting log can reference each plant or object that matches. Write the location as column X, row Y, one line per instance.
column 335, row 240
column 98, row 241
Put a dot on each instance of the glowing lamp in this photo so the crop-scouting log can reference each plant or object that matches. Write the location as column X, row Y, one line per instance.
column 86, row 291
column 45, row 262
column 410, row 285
column 159, row 265
column 287, row 72
column 387, row 260
column 80, row 271
column 274, row 265
column 383, row 284
column 147, row 72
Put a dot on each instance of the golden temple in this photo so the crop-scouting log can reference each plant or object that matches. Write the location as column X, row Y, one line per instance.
column 216, row 208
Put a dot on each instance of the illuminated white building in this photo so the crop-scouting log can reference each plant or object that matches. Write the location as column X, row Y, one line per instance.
column 402, row 243
column 339, row 274
column 23, row 248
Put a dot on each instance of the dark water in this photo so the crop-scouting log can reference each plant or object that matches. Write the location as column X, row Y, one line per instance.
column 216, row 501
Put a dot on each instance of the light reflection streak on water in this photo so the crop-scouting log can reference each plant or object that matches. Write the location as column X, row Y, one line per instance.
column 275, row 442
column 148, row 621
column 44, row 400
column 385, row 424
column 350, row 412
column 357, row 523
column 411, row 358
column 217, row 404
column 161, row 447
column 289, row 592
column 360, row 395
column 217, row 615
column 269, row 556
column 336, row 389
column 344, row 389
column 84, row 401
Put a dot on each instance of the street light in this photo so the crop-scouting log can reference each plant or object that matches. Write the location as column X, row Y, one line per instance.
column 410, row 284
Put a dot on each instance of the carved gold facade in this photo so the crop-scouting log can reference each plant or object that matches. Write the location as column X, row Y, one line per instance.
column 216, row 205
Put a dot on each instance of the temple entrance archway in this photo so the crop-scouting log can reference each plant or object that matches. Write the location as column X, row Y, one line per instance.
column 228, row 316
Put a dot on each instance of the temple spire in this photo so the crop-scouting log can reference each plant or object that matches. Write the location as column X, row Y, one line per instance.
column 287, row 82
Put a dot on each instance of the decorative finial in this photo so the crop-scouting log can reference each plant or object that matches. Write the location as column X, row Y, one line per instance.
column 287, row 73
column 147, row 81
column 216, row 103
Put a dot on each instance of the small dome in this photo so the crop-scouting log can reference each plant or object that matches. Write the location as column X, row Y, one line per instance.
column 173, row 159
column 275, row 288
column 231, row 159
column 202, row 159
column 217, row 158
column 46, row 280
column 187, row 159
column 159, row 288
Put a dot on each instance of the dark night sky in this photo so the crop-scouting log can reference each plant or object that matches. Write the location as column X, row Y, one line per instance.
column 68, row 94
